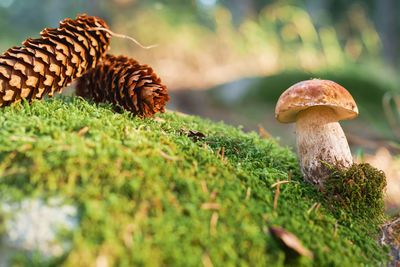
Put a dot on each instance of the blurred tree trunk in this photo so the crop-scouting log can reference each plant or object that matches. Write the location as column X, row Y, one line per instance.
column 387, row 24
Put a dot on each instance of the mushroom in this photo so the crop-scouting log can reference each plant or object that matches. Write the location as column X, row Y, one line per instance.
column 316, row 106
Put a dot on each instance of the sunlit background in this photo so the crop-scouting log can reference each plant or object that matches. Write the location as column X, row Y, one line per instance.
column 231, row 59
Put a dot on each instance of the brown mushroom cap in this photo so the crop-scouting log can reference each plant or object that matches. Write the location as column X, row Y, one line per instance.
column 311, row 93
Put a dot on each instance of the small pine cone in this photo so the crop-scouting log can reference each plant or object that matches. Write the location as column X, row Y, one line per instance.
column 123, row 81
column 45, row 65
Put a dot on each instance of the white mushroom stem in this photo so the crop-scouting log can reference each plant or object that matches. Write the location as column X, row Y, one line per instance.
column 319, row 139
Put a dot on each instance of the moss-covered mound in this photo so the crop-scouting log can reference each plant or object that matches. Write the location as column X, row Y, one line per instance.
column 149, row 192
column 357, row 191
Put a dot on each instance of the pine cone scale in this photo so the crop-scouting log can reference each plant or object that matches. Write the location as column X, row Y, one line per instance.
column 77, row 48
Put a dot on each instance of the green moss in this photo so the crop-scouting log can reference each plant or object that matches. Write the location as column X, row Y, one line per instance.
column 140, row 186
column 357, row 190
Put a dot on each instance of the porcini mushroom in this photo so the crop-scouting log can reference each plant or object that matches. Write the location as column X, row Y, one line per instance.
column 316, row 106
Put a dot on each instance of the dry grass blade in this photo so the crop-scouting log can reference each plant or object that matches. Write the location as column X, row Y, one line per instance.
column 205, row 259
column 204, row 186
column 312, row 207
column 218, row 151
column 162, row 153
column 291, row 241
column 317, row 208
column 264, row 133
column 279, row 183
column 213, row 223
column 341, row 200
column 210, row 206
column 335, row 231
column 83, row 130
column 248, row 192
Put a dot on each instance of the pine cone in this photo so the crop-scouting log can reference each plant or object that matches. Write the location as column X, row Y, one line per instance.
column 45, row 65
column 123, row 81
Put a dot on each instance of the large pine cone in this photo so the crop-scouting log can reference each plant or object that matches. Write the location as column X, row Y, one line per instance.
column 47, row 64
column 123, row 81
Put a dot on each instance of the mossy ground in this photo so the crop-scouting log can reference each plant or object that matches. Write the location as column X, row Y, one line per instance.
column 141, row 187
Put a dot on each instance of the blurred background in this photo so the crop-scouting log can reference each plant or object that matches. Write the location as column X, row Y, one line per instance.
column 231, row 59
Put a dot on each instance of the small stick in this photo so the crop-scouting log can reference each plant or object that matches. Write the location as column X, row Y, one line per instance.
column 279, row 182
column 335, row 231
column 223, row 153
column 290, row 175
column 83, row 130
column 264, row 133
column 219, row 150
column 341, row 200
column 213, row 195
column 248, row 192
column 210, row 206
column 124, row 36
column 312, row 207
column 205, row 259
column 319, row 205
column 204, row 186
column 162, row 153
column 213, row 223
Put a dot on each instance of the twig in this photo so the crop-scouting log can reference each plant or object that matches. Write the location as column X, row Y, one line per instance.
column 83, row 130
column 248, row 192
column 341, row 200
column 317, row 208
column 312, row 207
column 205, row 259
column 123, row 36
column 213, row 195
column 290, row 175
column 335, row 231
column 210, row 206
column 223, row 154
column 213, row 223
column 204, row 186
column 280, row 182
column 219, row 150
column 162, row 153
column 264, row 133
